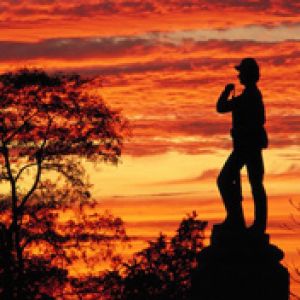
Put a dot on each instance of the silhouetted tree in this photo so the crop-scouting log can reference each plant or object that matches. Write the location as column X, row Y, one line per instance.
column 49, row 125
column 162, row 270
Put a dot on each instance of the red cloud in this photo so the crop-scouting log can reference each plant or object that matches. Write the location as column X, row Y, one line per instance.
column 94, row 8
column 149, row 77
column 33, row 19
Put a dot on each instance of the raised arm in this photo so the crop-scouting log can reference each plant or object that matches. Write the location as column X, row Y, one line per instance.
column 223, row 104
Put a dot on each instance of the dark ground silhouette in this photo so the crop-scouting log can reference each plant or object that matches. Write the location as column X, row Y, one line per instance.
column 240, row 265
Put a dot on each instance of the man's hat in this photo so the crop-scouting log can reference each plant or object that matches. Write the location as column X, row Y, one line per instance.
column 248, row 65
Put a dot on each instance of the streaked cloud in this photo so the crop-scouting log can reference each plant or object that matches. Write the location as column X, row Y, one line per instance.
column 151, row 79
column 194, row 44
column 73, row 48
column 34, row 20
column 93, row 7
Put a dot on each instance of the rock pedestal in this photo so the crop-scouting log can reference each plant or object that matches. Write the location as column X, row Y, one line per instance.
column 240, row 265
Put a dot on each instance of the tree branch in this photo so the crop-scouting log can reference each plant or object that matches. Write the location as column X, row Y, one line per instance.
column 59, row 169
column 11, row 178
column 17, row 130
column 33, row 187
column 39, row 160
column 23, row 169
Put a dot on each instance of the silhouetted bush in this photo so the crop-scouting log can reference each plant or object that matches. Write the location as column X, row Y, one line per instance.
column 163, row 270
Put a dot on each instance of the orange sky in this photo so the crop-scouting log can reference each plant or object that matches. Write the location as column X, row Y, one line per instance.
column 164, row 64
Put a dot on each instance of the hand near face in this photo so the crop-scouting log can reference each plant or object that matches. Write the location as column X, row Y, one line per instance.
column 229, row 88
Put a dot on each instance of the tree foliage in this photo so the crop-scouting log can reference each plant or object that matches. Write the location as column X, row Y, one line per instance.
column 49, row 124
column 163, row 270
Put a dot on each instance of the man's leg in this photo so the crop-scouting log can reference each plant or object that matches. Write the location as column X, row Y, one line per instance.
column 255, row 168
column 229, row 185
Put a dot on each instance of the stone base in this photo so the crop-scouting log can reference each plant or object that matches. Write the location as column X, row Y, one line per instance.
column 240, row 265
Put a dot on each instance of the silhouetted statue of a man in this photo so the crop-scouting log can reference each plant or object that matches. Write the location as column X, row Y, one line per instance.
column 249, row 138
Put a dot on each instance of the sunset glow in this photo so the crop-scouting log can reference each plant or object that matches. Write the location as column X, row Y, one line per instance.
column 163, row 64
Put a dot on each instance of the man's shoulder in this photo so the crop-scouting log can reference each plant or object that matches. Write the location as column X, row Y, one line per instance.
column 253, row 91
column 252, row 96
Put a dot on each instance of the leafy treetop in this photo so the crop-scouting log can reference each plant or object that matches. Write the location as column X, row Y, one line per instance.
column 47, row 116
